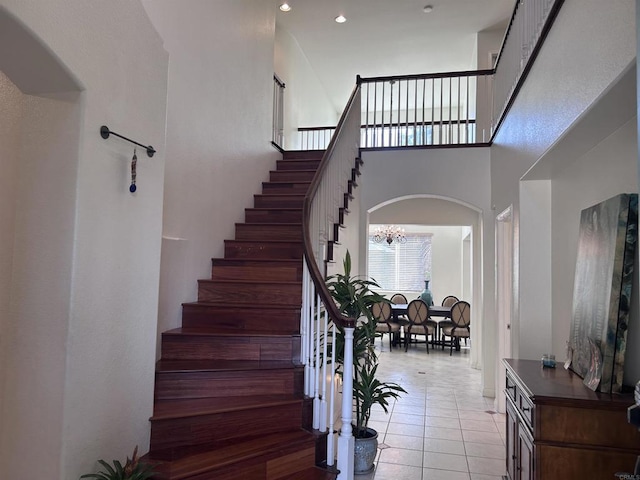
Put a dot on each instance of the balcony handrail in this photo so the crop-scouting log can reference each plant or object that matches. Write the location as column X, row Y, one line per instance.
column 421, row 76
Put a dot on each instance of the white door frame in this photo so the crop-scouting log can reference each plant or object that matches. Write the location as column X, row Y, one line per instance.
column 504, row 298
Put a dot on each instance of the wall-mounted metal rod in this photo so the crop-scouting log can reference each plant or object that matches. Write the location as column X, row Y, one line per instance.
column 105, row 132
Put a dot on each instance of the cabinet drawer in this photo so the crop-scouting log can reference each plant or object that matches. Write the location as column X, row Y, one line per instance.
column 511, row 388
column 525, row 407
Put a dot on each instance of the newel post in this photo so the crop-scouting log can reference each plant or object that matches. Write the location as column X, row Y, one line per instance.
column 346, row 440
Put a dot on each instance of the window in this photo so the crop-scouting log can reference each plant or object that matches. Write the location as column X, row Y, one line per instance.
column 401, row 266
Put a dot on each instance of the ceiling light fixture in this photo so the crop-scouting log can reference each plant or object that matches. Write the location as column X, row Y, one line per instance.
column 285, row 7
column 428, row 9
column 389, row 234
column 341, row 19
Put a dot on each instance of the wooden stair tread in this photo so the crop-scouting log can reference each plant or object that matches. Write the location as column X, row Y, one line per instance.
column 249, row 282
column 217, row 332
column 267, row 241
column 170, row 409
column 239, row 452
column 170, row 366
column 205, row 305
column 241, row 262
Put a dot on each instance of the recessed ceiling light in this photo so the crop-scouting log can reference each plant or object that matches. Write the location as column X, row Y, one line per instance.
column 285, row 7
column 428, row 9
column 341, row 19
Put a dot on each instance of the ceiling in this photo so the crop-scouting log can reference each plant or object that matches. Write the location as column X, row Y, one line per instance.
column 388, row 37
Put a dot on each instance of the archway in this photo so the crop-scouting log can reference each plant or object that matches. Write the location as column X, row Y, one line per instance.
column 41, row 106
column 435, row 210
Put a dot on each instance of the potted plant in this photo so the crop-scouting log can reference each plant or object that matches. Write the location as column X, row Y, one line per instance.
column 133, row 469
column 354, row 298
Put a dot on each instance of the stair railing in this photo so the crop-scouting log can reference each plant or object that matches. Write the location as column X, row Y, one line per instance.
column 320, row 315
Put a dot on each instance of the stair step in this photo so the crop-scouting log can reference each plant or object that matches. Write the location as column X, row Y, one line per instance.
column 269, row 231
column 263, row 249
column 277, row 188
column 273, row 215
column 250, row 293
column 207, row 344
column 206, row 424
column 298, row 176
column 278, row 200
column 256, row 270
column 225, row 317
column 302, row 154
column 269, row 457
column 172, row 409
column 298, row 164
column 178, row 379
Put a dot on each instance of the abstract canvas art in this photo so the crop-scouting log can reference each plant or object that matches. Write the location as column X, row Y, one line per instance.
column 602, row 291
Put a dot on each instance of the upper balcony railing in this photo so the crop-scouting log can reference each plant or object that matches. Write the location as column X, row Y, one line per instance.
column 448, row 109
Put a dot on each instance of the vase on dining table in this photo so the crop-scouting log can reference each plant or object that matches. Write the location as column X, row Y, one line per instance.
column 426, row 295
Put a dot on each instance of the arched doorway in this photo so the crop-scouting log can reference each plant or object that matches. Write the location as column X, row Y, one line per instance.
column 439, row 211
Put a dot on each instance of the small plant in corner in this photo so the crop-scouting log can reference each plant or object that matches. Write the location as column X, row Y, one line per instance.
column 133, row 469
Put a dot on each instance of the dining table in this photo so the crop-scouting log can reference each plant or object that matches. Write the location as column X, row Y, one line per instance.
column 439, row 311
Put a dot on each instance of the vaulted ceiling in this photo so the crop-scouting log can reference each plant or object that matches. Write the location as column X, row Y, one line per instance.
column 388, row 37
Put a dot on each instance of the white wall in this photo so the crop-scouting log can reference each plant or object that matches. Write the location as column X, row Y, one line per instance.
column 83, row 295
column 218, row 132
column 457, row 175
column 610, row 168
column 12, row 107
column 306, row 103
column 578, row 63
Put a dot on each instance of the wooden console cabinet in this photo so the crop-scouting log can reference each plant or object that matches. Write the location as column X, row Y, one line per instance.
column 558, row 429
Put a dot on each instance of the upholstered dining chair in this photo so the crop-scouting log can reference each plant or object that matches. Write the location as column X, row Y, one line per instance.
column 399, row 298
column 419, row 323
column 382, row 313
column 460, row 328
column 447, row 301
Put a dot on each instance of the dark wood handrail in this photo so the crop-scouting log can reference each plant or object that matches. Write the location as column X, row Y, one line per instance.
column 419, row 76
column 316, row 276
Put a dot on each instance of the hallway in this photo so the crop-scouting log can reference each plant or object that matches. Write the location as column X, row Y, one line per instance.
column 442, row 429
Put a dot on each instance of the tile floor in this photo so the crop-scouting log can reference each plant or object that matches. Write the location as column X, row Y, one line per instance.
column 443, row 428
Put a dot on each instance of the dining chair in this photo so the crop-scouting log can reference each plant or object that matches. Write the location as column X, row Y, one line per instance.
column 400, row 299
column 460, row 328
column 447, row 301
column 419, row 323
column 381, row 311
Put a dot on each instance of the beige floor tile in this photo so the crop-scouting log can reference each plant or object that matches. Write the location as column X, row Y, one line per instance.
column 443, row 433
column 478, row 426
column 444, row 446
column 433, row 474
column 478, row 416
column 389, row 471
column 484, row 450
column 401, row 456
column 486, row 466
column 404, row 429
column 480, row 476
column 443, row 422
column 442, row 412
column 407, row 418
column 404, row 441
column 482, row 437
column 446, row 461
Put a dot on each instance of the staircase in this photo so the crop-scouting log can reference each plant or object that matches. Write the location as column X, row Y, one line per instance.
column 229, row 400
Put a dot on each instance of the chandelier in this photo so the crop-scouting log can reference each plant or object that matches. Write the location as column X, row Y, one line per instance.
column 389, row 234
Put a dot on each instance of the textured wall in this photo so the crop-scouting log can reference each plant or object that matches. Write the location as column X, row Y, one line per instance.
column 84, row 290
column 218, row 132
